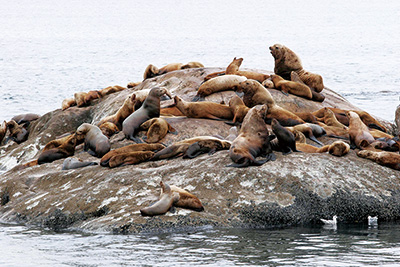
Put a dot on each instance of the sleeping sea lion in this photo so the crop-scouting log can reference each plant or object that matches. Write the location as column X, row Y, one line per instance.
column 294, row 88
column 206, row 109
column 96, row 143
column 129, row 158
column 218, row 84
column 206, row 146
column 18, row 133
column 315, row 95
column 186, row 200
column 68, row 102
column 24, row 118
column 157, row 129
column 388, row 159
column 109, row 129
column 191, row 65
column 110, row 90
column 64, row 150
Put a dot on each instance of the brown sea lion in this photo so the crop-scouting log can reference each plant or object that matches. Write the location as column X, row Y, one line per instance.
column 192, row 64
column 129, row 158
column 335, row 132
column 24, row 118
column 206, row 109
column 157, row 129
column 64, row 150
column 306, row 116
column 268, row 83
column 286, row 61
column 238, row 108
column 127, row 108
column 18, row 133
column 132, row 84
column 164, row 204
column 187, row 200
column 294, row 88
column 170, row 67
column 61, row 140
column 379, row 134
column 80, row 99
column 384, row 158
column 90, row 96
column 150, row 72
column 370, row 121
column 171, row 110
column 253, row 140
column 110, row 90
column 74, row 163
column 331, row 120
column 286, row 140
column 109, row 129
column 256, row 94
column 312, row 80
column 179, row 148
column 340, row 115
column 213, row 75
column 233, row 68
column 128, row 149
column 67, row 103
column 206, row 146
column 96, row 143
column 3, row 131
column 150, row 109
column 315, row 95
column 218, row 84
column 358, row 131
column 339, row 148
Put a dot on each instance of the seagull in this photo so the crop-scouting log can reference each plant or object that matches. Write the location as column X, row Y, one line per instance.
column 330, row 222
column 372, row 220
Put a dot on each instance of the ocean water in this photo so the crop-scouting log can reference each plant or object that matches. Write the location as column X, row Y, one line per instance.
column 49, row 51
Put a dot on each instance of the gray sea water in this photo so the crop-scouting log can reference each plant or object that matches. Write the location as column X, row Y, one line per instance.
column 51, row 49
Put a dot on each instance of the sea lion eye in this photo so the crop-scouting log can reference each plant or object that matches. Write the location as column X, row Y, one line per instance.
column 276, row 47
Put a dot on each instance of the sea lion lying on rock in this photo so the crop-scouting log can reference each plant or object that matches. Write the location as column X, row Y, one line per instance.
column 358, row 131
column 157, row 129
column 74, row 163
column 129, row 158
column 209, row 146
column 218, row 84
column 206, row 109
column 294, row 88
column 64, row 149
column 67, row 103
column 388, row 159
column 109, row 129
column 18, row 133
column 24, row 118
column 238, row 108
column 253, row 140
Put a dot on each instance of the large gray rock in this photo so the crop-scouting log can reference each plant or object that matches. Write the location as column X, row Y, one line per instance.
column 298, row 188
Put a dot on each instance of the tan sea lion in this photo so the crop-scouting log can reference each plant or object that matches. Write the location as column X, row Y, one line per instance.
column 18, row 133
column 109, row 129
column 335, row 132
column 96, row 143
column 358, row 131
column 206, row 146
column 370, row 121
column 3, row 131
column 313, row 80
column 379, row 134
column 187, row 200
column 24, row 118
column 61, row 140
column 64, row 150
column 170, row 67
column 339, row 148
column 127, row 108
column 179, row 148
column 133, row 84
column 206, row 109
column 331, row 120
column 171, row 110
column 268, row 83
column 294, row 88
column 253, row 140
column 129, row 158
column 218, row 84
column 294, row 76
column 340, row 115
column 286, row 140
column 150, row 72
column 128, row 149
column 157, row 129
column 306, row 116
column 164, row 204
column 238, row 108
column 150, row 109
column 192, row 64
column 80, row 99
column 233, row 68
column 384, row 158
column 111, row 89
column 67, row 103
column 256, row 94
column 91, row 95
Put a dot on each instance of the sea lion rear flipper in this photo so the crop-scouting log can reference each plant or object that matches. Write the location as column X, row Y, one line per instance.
column 271, row 156
column 285, row 93
column 92, row 153
column 198, row 98
column 375, row 126
column 316, row 140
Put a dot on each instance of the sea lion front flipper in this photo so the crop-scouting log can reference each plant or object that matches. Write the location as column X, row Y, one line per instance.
column 212, row 151
column 271, row 156
column 92, row 153
column 285, row 93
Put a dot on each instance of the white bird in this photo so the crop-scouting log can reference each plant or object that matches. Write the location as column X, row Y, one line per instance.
column 330, row 222
column 372, row 220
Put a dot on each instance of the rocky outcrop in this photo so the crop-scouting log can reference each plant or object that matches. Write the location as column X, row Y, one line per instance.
column 298, row 188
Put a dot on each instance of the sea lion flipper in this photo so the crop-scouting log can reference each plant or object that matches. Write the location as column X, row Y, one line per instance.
column 271, row 156
column 92, row 153
column 212, row 151
column 239, row 94
column 285, row 93
column 316, row 140
column 198, row 98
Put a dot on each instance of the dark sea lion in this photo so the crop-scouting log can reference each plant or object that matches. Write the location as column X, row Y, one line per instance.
column 90, row 96
column 150, row 109
column 384, row 158
column 129, row 158
column 206, row 146
column 23, row 118
column 164, row 204
column 18, row 133
column 206, row 109
column 74, row 163
column 286, row 139
column 218, row 84
column 157, row 129
column 65, row 150
column 96, row 143
column 3, row 131
column 358, row 131
column 128, row 149
column 253, row 140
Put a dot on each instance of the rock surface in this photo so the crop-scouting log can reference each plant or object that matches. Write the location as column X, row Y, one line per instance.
column 298, row 188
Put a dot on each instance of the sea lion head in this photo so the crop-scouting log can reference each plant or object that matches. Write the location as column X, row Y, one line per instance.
column 267, row 83
column 159, row 91
column 177, row 99
column 277, row 51
column 83, row 129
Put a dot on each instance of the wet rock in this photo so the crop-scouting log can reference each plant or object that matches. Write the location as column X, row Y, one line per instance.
column 298, row 188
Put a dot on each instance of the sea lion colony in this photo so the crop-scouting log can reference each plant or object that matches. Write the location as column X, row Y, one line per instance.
column 251, row 112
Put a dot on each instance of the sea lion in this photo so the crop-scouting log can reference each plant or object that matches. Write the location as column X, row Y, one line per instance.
column 370, row 121
column 171, row 110
column 253, row 140
column 218, row 84
column 109, row 129
column 24, row 118
column 67, row 103
column 157, row 129
column 132, row 84
column 358, row 131
column 384, row 158
column 3, row 131
column 128, row 149
column 74, row 163
column 110, row 90
column 150, row 72
column 268, row 83
column 164, row 204
column 332, row 131
column 294, row 88
column 150, row 109
column 191, row 65
column 64, row 150
column 127, row 108
column 91, row 95
column 170, row 67
column 129, row 158
column 379, row 134
column 340, row 115
column 179, row 148
column 286, row 139
column 186, row 200
column 61, row 140
column 80, row 99
column 233, row 68
column 206, row 109
column 331, row 120
column 299, row 136
column 206, row 146
column 339, row 148
column 238, row 108
column 312, row 80
column 96, row 143
column 307, row 131
column 315, row 95
column 306, row 116
column 256, row 94
column 18, row 133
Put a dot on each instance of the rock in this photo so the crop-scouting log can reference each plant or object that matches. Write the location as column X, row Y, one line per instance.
column 397, row 119
column 298, row 188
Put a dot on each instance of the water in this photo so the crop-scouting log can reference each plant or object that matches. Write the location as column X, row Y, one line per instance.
column 49, row 51
column 354, row 245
